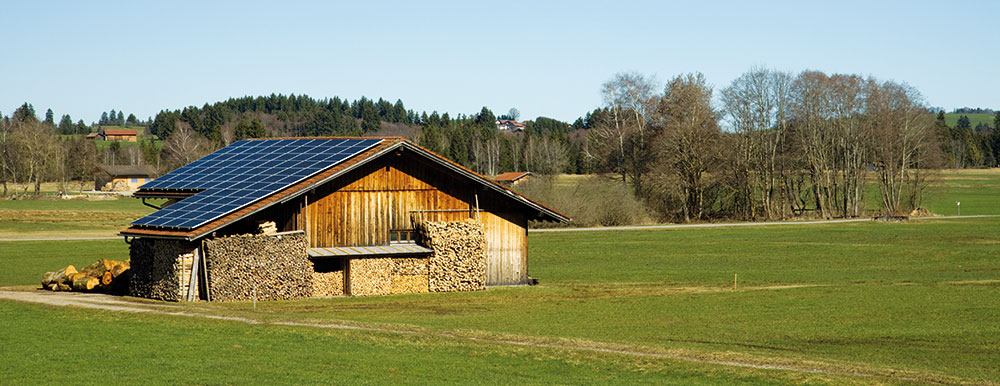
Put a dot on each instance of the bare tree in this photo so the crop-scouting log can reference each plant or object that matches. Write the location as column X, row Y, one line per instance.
column 689, row 143
column 757, row 105
column 624, row 137
column 903, row 145
column 35, row 153
column 514, row 114
column 544, row 155
column 183, row 147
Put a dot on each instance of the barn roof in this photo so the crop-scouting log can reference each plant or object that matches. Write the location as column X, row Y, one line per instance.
column 511, row 176
column 199, row 226
column 120, row 132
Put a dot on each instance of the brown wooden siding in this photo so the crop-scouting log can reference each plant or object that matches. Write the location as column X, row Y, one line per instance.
column 392, row 192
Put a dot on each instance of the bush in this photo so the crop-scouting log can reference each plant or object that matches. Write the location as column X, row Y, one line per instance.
column 591, row 200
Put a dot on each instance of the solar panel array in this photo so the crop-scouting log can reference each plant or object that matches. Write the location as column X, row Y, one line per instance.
column 243, row 173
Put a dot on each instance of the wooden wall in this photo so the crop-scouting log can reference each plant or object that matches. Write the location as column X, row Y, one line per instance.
column 392, row 192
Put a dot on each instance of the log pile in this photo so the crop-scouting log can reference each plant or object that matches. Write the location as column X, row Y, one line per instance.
column 104, row 275
column 326, row 284
column 459, row 259
column 408, row 275
column 267, row 227
column 246, row 267
column 157, row 268
column 370, row 276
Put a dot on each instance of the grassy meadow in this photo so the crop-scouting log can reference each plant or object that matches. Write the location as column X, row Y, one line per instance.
column 55, row 218
column 974, row 119
column 840, row 303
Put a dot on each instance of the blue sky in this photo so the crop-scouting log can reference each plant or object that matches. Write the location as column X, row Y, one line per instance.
column 544, row 58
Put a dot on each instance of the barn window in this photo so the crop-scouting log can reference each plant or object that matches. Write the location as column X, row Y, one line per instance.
column 398, row 236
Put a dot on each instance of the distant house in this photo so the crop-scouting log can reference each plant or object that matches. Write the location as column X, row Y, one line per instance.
column 510, row 125
column 120, row 178
column 127, row 135
column 93, row 136
column 512, row 178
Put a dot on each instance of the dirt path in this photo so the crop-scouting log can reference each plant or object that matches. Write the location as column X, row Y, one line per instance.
column 64, row 238
column 118, row 304
column 736, row 224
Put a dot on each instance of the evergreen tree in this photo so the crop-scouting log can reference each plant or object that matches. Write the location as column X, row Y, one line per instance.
column 963, row 123
column 370, row 119
column 112, row 116
column 66, row 125
column 104, row 119
column 131, row 120
column 250, row 128
column 121, row 119
column 50, row 117
column 81, row 128
column 25, row 113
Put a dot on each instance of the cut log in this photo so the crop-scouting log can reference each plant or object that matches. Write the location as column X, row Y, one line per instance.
column 48, row 278
column 99, row 267
column 53, row 287
column 72, row 278
column 61, row 276
column 106, row 279
column 85, row 283
column 63, row 287
column 119, row 268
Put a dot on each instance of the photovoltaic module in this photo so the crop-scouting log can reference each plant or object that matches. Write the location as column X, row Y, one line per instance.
column 243, row 173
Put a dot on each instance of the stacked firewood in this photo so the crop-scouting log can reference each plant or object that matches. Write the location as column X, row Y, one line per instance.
column 326, row 284
column 459, row 259
column 267, row 227
column 158, row 267
column 371, row 276
column 259, row 267
column 409, row 275
column 103, row 276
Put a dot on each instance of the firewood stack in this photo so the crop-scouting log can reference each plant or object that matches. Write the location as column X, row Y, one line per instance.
column 103, row 276
column 267, row 227
column 326, row 284
column 459, row 259
column 157, row 267
column 256, row 266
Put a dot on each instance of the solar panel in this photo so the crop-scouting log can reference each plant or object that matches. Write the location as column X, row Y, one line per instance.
column 243, row 173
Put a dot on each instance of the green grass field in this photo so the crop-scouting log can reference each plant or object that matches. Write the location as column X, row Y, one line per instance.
column 49, row 218
column 974, row 119
column 912, row 302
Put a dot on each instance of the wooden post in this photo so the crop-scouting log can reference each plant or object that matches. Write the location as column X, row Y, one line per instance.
column 305, row 211
column 204, row 273
column 734, row 281
column 192, row 292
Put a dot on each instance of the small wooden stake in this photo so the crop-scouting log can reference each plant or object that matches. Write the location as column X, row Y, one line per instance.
column 734, row 281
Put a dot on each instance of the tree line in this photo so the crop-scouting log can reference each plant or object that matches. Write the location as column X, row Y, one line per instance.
column 770, row 145
column 793, row 144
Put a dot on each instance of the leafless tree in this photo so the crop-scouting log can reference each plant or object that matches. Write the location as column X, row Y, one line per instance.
column 689, row 143
column 514, row 114
column 487, row 155
column 183, row 147
column 903, row 145
column 544, row 155
column 624, row 137
column 757, row 105
column 35, row 153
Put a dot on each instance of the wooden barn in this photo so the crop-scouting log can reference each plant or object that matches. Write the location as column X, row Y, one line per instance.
column 512, row 178
column 357, row 204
